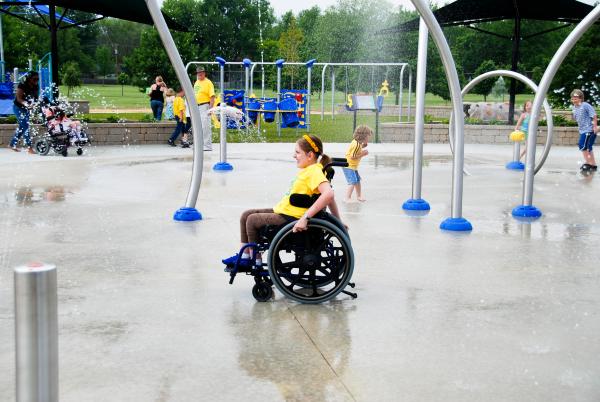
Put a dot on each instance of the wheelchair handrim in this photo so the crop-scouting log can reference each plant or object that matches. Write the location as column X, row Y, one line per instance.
column 299, row 284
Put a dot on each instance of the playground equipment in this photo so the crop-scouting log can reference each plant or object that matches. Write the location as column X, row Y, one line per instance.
column 402, row 67
column 366, row 102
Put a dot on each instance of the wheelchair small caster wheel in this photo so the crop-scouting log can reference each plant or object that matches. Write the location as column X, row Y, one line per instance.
column 64, row 152
column 79, row 151
column 351, row 284
column 262, row 291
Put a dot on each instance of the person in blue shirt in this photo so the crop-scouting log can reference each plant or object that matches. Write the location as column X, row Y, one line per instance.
column 587, row 122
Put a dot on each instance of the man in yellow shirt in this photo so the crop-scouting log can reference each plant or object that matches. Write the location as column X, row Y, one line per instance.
column 205, row 97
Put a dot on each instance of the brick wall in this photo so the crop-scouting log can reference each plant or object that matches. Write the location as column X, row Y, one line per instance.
column 438, row 133
column 158, row 133
column 113, row 134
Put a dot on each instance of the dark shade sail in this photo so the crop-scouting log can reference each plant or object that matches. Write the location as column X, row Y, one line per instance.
column 131, row 10
column 466, row 12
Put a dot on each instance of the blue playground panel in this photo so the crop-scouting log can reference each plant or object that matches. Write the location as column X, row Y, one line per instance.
column 300, row 96
column 6, row 98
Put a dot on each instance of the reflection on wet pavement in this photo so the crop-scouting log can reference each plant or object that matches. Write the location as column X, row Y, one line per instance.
column 505, row 313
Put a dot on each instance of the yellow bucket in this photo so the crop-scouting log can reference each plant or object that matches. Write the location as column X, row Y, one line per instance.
column 517, row 136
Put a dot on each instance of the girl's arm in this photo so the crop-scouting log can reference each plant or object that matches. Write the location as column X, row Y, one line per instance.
column 326, row 198
column 595, row 123
column 518, row 126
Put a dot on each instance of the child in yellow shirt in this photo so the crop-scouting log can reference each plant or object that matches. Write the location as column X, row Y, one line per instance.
column 181, row 118
column 356, row 151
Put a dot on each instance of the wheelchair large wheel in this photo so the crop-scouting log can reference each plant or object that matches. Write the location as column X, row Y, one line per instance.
column 312, row 266
column 41, row 146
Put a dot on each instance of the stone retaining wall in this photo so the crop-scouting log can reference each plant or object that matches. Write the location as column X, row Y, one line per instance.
column 438, row 133
column 158, row 133
column 113, row 133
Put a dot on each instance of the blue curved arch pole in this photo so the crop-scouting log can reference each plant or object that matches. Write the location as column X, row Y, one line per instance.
column 527, row 209
column 455, row 222
column 189, row 211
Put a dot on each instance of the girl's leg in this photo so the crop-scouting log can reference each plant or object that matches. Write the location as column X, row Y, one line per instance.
column 349, row 191
column 176, row 132
column 244, row 238
column 23, row 125
column 523, row 152
column 359, row 192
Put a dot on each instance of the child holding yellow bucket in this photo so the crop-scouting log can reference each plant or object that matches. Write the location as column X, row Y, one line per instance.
column 522, row 127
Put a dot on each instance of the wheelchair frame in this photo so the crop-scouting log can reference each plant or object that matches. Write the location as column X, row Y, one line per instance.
column 311, row 266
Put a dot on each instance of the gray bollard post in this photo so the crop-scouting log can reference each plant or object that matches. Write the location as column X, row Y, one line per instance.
column 36, row 333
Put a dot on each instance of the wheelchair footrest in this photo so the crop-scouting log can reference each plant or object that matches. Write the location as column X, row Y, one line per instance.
column 351, row 294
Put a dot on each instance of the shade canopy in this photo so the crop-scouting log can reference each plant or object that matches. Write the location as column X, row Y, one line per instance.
column 131, row 10
column 467, row 12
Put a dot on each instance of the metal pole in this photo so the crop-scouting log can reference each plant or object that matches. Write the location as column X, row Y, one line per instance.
column 401, row 89
column 36, row 333
column 247, row 64
column 308, row 92
column 223, row 132
column 309, row 66
column 332, row 93
column 420, row 110
column 189, row 212
column 409, row 94
column 456, row 222
column 516, row 151
column 279, row 64
column 527, row 209
column 15, row 78
column 1, row 50
column 323, row 91
column 252, row 78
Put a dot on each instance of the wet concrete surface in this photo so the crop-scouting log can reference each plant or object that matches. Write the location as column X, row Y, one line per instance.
column 509, row 312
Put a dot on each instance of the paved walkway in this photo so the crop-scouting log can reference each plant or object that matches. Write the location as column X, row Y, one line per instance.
column 509, row 312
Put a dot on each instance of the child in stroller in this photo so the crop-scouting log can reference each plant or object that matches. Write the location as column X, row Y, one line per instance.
column 62, row 132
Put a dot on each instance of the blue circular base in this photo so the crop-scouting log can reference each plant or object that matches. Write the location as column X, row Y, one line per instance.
column 187, row 214
column 456, row 225
column 526, row 211
column 416, row 204
column 515, row 165
column 222, row 166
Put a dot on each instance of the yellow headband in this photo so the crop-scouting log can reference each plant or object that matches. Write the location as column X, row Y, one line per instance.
column 311, row 143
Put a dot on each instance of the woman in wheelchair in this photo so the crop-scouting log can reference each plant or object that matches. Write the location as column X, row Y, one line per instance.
column 308, row 197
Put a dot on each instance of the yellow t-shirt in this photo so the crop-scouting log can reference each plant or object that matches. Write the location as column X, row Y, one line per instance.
column 353, row 154
column 179, row 107
column 306, row 182
column 204, row 90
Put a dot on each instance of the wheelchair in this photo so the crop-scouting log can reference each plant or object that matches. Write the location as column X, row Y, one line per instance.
column 59, row 138
column 312, row 266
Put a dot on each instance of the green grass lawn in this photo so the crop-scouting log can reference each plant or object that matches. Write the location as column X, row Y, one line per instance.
column 111, row 97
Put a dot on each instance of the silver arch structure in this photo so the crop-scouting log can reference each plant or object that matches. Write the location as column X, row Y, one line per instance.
column 544, row 85
column 455, row 94
column 532, row 86
column 333, row 65
column 188, row 89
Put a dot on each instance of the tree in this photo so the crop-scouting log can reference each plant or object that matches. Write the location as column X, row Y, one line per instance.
column 123, row 79
column 104, row 61
column 70, row 75
column 484, row 87
column 289, row 47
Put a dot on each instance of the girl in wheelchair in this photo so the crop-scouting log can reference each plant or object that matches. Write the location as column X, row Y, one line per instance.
column 310, row 180
column 309, row 262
